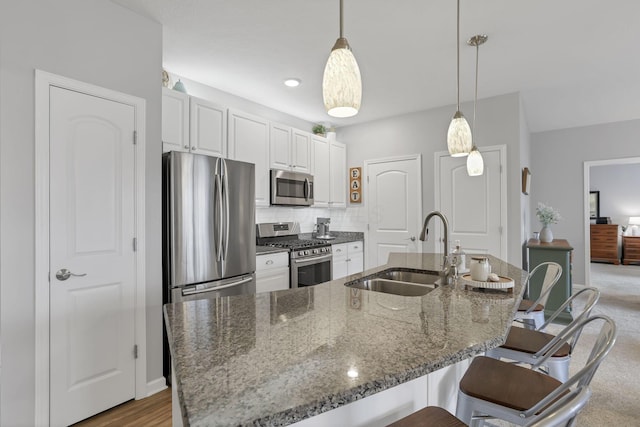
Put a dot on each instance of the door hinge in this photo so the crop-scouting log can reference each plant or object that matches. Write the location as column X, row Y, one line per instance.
column 135, row 244
column 367, row 179
column 135, row 137
column 135, row 351
column 500, row 230
column 367, row 227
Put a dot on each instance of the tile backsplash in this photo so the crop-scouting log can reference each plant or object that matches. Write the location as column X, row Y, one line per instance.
column 349, row 219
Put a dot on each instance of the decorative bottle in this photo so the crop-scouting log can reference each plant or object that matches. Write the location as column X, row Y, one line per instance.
column 459, row 257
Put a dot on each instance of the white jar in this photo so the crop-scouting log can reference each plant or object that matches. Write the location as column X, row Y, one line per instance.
column 480, row 268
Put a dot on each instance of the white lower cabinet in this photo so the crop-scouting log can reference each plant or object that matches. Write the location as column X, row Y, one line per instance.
column 348, row 258
column 272, row 272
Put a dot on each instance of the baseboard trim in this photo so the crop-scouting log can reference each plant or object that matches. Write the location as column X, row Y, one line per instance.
column 156, row 386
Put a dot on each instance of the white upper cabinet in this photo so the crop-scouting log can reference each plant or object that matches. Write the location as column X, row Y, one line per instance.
column 280, row 140
column 248, row 141
column 194, row 125
column 175, row 120
column 301, row 151
column 338, row 174
column 320, row 171
column 208, row 128
column 290, row 149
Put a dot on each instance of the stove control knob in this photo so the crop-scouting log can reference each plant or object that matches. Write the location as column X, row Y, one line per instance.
column 306, row 252
column 315, row 251
column 300, row 253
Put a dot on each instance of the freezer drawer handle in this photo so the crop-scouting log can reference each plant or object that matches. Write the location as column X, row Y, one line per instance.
column 196, row 290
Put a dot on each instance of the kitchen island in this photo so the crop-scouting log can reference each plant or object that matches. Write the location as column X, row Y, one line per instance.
column 302, row 354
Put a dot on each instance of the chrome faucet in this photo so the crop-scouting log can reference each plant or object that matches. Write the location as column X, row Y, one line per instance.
column 448, row 270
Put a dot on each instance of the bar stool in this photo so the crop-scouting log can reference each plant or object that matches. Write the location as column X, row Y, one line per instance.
column 531, row 313
column 493, row 388
column 545, row 351
column 561, row 412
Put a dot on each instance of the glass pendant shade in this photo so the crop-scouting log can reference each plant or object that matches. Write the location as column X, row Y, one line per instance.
column 459, row 140
column 475, row 163
column 341, row 83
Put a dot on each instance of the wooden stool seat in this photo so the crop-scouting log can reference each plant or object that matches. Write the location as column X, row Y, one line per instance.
column 530, row 341
column 506, row 384
column 431, row 416
column 526, row 304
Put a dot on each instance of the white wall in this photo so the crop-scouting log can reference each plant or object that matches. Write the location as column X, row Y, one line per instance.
column 525, row 161
column 425, row 132
column 97, row 42
column 618, row 187
column 557, row 163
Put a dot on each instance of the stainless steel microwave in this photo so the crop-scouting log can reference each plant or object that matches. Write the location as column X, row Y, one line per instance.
column 291, row 188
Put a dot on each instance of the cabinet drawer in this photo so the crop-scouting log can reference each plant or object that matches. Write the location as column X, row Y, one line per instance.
column 269, row 261
column 355, row 247
column 340, row 250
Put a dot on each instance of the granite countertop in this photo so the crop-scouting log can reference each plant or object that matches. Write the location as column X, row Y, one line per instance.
column 280, row 357
column 261, row 250
column 340, row 236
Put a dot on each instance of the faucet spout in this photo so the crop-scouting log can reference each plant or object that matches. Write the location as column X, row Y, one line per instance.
column 424, row 235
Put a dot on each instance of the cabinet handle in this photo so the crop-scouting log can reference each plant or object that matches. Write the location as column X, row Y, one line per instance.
column 193, row 148
column 355, row 247
column 186, row 147
column 269, row 262
column 348, row 259
column 338, row 250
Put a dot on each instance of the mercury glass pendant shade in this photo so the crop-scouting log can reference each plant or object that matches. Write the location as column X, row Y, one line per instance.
column 459, row 140
column 341, row 83
column 475, row 163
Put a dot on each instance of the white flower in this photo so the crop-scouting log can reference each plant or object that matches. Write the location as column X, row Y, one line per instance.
column 547, row 215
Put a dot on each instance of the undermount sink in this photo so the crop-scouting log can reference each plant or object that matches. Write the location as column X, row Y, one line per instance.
column 398, row 282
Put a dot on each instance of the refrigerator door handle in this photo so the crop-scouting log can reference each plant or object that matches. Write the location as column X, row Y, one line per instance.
column 199, row 289
column 218, row 186
column 225, row 189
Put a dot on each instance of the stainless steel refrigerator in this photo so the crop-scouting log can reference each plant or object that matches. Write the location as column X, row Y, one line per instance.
column 208, row 227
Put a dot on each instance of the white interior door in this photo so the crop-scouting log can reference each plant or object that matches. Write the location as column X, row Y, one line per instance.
column 92, row 226
column 394, row 207
column 474, row 205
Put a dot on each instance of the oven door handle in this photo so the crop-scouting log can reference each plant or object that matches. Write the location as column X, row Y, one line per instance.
column 314, row 259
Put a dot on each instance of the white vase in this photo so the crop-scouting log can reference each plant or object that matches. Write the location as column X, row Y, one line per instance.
column 546, row 236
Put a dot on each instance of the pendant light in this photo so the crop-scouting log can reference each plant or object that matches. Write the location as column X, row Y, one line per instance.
column 475, row 163
column 341, row 83
column 459, row 134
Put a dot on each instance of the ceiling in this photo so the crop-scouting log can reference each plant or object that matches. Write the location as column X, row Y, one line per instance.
column 575, row 62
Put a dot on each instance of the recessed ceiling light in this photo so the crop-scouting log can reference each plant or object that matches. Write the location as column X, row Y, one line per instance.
column 292, row 82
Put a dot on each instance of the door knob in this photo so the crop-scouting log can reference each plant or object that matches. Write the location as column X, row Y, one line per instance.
column 64, row 274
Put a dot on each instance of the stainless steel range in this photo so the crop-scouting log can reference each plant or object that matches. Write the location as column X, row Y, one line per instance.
column 310, row 259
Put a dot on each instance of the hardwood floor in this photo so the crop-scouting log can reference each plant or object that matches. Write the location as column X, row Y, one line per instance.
column 154, row 410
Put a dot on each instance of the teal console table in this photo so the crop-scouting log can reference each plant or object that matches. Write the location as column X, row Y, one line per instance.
column 559, row 251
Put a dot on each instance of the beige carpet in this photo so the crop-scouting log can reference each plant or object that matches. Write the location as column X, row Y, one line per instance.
column 615, row 399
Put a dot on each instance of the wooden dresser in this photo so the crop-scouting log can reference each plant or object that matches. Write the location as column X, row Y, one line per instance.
column 605, row 243
column 631, row 249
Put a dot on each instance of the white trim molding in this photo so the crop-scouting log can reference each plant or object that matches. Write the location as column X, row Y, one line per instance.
column 43, row 82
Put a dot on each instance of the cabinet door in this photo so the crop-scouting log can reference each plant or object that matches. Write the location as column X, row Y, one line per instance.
column 356, row 263
column 339, row 261
column 175, row 121
column 320, row 171
column 301, row 151
column 208, row 128
column 280, row 146
column 249, row 142
column 275, row 279
column 338, row 174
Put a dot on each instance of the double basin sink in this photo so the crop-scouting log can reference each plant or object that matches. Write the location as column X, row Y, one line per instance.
column 398, row 281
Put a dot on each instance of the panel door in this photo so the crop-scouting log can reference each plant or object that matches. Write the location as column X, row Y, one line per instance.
column 249, row 142
column 175, row 121
column 280, row 146
column 473, row 204
column 208, row 128
column 92, row 366
column 321, row 173
column 394, row 206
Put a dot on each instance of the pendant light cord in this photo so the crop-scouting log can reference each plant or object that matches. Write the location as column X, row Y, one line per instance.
column 341, row 20
column 457, row 53
column 475, row 98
